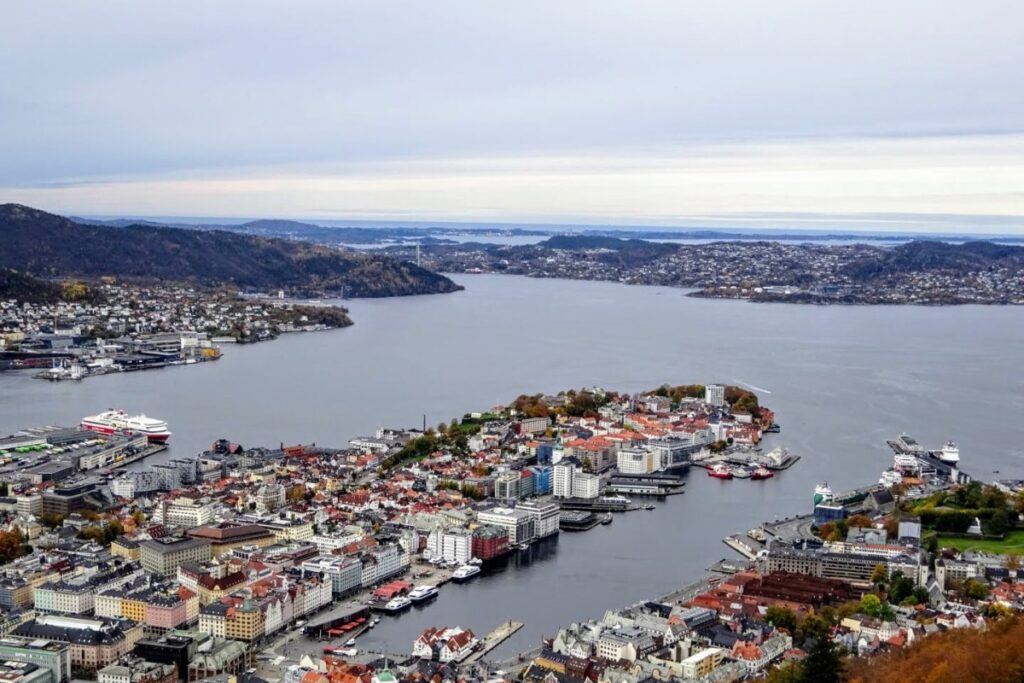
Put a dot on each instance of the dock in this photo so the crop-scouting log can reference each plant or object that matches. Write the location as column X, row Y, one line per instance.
column 494, row 639
column 151, row 449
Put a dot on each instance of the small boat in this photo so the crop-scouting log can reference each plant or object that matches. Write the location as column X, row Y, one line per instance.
column 720, row 471
column 421, row 594
column 762, row 472
column 607, row 518
column 397, row 604
column 649, row 506
column 350, row 642
column 465, row 573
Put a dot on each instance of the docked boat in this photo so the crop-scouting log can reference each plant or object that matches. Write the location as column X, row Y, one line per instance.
column 950, row 454
column 397, row 604
column 421, row 594
column 720, row 471
column 117, row 422
column 607, row 518
column 465, row 573
column 762, row 472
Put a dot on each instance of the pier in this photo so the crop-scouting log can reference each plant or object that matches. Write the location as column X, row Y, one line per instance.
column 494, row 639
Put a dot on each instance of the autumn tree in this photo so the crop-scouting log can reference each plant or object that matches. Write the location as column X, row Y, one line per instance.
column 296, row 494
column 859, row 522
column 781, row 617
column 880, row 574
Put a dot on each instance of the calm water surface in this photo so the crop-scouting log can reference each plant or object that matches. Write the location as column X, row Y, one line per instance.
column 841, row 380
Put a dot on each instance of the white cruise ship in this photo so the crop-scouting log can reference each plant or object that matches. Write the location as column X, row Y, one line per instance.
column 117, row 422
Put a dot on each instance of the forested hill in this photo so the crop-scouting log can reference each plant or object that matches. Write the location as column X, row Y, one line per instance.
column 45, row 244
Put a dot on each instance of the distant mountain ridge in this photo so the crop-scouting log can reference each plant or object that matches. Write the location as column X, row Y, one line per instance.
column 45, row 244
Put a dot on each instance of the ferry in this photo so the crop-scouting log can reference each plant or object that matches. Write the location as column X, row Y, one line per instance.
column 397, row 604
column 421, row 594
column 720, row 471
column 762, row 472
column 950, row 454
column 117, row 422
column 465, row 573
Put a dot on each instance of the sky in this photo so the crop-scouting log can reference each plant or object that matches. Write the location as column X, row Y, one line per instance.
column 861, row 115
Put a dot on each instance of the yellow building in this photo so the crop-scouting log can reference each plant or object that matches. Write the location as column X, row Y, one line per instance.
column 245, row 622
column 126, row 548
column 134, row 609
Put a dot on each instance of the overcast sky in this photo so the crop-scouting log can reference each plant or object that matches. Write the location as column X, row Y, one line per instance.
column 894, row 115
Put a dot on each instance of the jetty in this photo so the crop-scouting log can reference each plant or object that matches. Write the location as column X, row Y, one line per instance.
column 494, row 639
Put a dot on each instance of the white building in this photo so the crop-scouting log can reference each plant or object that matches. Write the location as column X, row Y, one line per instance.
column 586, row 485
column 519, row 523
column 546, row 517
column 185, row 512
column 714, row 394
column 451, row 545
column 636, row 461
column 562, row 475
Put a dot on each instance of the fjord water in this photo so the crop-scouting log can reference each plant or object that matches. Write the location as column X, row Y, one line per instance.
column 841, row 380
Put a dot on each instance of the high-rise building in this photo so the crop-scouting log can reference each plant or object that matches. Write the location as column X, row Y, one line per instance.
column 714, row 394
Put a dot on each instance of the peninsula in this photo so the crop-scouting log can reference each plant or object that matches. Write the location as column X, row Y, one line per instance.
column 916, row 272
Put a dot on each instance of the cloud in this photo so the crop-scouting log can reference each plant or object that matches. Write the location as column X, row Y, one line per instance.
column 862, row 183
column 579, row 108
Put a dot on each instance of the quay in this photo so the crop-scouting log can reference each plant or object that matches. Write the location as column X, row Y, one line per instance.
column 152, row 449
column 657, row 484
column 603, row 504
column 494, row 639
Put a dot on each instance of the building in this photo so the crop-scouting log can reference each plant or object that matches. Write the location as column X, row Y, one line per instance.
column 137, row 670
column 164, row 555
column 545, row 517
column 489, row 542
column 452, row 545
column 714, row 394
column 382, row 563
column 344, row 574
column 94, row 643
column 12, row 671
column 701, row 664
column 519, row 524
column 51, row 655
column 586, row 485
column 185, row 512
column 227, row 536
column 507, row 486
column 637, row 461
column 562, row 476
column 169, row 649
column 624, row 644
column 285, row 530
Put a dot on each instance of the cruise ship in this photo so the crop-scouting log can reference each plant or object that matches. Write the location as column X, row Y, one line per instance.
column 465, row 573
column 421, row 594
column 950, row 454
column 117, row 422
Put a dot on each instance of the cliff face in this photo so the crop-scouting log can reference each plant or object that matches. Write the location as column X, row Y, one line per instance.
column 45, row 244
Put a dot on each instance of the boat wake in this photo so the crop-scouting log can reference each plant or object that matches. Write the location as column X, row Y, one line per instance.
column 750, row 386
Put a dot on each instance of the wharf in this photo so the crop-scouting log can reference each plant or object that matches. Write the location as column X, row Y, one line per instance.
column 578, row 520
column 646, row 485
column 151, row 449
column 598, row 504
column 493, row 640
column 744, row 545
